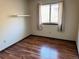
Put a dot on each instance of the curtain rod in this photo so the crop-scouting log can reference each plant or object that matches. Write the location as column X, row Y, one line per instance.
column 50, row 2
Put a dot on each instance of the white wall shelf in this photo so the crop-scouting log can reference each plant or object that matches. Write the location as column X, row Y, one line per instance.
column 19, row 15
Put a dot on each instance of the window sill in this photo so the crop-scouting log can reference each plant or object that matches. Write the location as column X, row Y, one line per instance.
column 49, row 24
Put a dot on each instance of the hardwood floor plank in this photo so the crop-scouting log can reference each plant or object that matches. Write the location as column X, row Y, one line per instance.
column 35, row 47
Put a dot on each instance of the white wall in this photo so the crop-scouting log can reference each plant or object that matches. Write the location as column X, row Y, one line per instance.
column 78, row 40
column 78, row 30
column 13, row 29
column 71, row 17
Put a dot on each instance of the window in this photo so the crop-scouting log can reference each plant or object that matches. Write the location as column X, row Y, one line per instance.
column 49, row 13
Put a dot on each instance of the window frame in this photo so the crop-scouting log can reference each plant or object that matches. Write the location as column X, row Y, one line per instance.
column 50, row 23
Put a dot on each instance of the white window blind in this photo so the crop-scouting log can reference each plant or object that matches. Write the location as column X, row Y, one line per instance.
column 54, row 13
column 44, row 13
column 48, row 13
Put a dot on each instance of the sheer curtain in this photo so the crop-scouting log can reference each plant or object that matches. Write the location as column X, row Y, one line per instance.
column 39, row 22
column 60, row 15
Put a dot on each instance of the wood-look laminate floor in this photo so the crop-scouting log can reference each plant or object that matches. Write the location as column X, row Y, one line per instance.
column 35, row 47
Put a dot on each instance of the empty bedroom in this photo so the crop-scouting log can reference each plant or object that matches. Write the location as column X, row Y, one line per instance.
column 39, row 29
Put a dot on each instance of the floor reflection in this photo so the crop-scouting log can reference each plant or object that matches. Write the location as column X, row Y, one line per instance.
column 48, row 53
